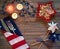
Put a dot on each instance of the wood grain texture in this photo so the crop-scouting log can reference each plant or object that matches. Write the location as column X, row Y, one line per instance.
column 32, row 28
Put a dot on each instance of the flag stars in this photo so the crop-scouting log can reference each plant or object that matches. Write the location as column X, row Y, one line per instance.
column 54, row 35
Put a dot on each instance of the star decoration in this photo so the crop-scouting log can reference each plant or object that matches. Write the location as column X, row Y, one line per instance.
column 45, row 11
column 28, row 8
column 53, row 36
column 52, row 27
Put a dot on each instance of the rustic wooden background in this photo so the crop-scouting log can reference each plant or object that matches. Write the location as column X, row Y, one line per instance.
column 33, row 28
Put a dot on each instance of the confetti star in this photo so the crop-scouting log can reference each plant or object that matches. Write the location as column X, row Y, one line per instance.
column 45, row 11
column 53, row 26
column 28, row 8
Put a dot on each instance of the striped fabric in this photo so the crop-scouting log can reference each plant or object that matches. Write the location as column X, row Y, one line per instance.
column 17, row 42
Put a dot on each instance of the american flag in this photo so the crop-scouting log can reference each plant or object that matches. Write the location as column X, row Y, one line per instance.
column 16, row 40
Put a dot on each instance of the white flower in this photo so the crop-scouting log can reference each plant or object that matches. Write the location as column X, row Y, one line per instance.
column 53, row 26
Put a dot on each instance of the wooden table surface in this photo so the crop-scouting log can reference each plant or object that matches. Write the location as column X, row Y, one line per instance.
column 32, row 29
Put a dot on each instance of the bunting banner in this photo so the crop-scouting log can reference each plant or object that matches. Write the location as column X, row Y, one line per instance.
column 45, row 11
column 14, row 37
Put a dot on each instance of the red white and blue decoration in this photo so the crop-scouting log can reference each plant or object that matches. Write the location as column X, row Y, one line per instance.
column 17, row 42
column 14, row 37
column 52, row 35
column 45, row 11
column 22, row 8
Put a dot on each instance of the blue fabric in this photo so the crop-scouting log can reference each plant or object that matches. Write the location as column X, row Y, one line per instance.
column 58, row 37
column 14, row 25
column 51, row 37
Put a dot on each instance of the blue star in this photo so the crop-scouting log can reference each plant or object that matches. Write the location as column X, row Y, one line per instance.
column 23, row 2
column 27, row 4
column 52, row 36
column 17, row 0
column 22, row 14
column 32, row 15
column 23, row 9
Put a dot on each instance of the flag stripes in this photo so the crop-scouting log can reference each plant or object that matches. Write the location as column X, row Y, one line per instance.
column 17, row 42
